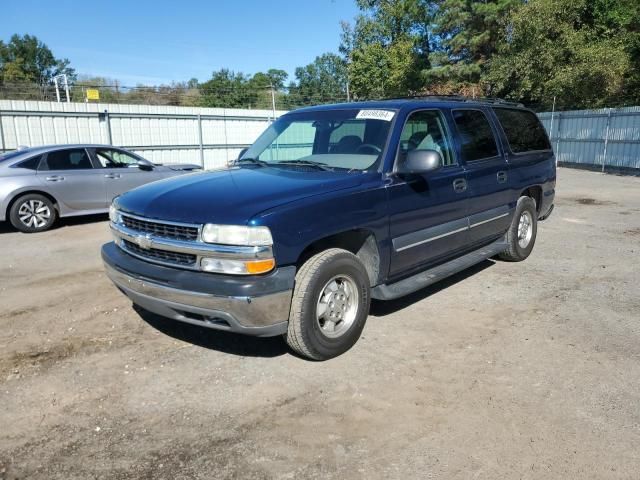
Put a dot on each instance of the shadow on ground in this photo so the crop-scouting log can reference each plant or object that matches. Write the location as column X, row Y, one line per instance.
column 6, row 227
column 381, row 308
column 227, row 342
column 249, row 346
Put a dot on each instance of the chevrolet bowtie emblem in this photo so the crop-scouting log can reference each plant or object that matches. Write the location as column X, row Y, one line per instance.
column 144, row 241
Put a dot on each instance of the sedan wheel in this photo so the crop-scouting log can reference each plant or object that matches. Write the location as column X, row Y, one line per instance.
column 32, row 213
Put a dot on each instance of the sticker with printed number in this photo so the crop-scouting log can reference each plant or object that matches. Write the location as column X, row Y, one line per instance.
column 385, row 115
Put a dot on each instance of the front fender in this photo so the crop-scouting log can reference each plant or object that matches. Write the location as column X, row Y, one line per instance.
column 296, row 225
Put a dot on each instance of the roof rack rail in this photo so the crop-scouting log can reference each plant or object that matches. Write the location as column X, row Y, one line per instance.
column 460, row 98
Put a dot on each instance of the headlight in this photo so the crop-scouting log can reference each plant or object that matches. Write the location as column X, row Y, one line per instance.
column 114, row 215
column 236, row 235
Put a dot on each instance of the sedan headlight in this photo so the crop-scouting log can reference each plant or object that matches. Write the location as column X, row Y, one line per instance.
column 237, row 235
column 114, row 215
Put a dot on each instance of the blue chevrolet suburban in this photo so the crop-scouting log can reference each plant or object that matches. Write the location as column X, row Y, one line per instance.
column 330, row 207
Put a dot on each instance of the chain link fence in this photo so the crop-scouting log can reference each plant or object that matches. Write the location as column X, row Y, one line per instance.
column 245, row 97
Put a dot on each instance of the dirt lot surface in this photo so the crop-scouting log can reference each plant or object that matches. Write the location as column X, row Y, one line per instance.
column 510, row 370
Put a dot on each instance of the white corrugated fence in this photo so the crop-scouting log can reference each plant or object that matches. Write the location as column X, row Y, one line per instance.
column 208, row 136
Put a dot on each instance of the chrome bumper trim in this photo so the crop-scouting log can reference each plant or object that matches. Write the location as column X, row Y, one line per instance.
column 248, row 312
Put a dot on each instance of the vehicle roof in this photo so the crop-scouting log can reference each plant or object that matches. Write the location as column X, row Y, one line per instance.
column 416, row 102
column 29, row 151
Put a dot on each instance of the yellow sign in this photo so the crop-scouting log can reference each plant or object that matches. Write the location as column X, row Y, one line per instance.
column 93, row 94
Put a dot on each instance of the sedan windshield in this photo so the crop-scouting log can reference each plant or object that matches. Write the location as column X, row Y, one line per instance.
column 349, row 139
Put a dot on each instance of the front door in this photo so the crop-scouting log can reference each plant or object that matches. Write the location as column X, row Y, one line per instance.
column 69, row 176
column 123, row 172
column 428, row 213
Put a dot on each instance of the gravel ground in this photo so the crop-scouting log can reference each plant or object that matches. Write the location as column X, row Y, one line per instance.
column 509, row 370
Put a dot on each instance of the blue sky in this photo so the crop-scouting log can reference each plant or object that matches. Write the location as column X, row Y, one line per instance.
column 151, row 42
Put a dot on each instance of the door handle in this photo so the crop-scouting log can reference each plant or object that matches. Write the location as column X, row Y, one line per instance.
column 502, row 176
column 112, row 175
column 54, row 178
column 459, row 185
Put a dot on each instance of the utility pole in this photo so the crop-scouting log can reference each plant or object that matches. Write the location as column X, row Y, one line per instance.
column 273, row 101
column 55, row 81
column 66, row 86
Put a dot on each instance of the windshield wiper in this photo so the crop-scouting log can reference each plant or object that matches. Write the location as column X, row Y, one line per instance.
column 306, row 163
column 253, row 161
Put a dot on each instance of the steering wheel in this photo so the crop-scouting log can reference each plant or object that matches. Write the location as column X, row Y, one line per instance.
column 368, row 149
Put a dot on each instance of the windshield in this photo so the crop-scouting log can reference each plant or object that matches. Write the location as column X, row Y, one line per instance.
column 349, row 139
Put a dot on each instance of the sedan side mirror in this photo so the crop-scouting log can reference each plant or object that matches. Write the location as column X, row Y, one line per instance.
column 420, row 162
column 144, row 166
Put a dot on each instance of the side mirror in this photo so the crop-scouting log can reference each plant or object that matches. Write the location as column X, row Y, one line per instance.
column 242, row 152
column 144, row 166
column 420, row 162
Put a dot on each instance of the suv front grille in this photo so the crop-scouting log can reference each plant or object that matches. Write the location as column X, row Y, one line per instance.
column 182, row 259
column 165, row 230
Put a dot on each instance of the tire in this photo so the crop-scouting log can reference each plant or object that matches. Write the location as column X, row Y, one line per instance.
column 521, row 238
column 32, row 213
column 325, row 284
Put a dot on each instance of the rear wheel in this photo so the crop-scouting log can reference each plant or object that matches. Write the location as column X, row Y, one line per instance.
column 32, row 213
column 330, row 305
column 521, row 235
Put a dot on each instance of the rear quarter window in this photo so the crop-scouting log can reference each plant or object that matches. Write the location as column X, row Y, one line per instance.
column 30, row 164
column 523, row 130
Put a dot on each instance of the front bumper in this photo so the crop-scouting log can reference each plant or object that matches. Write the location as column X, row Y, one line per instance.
column 250, row 305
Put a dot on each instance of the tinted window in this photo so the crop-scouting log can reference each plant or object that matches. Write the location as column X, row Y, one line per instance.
column 523, row 130
column 75, row 159
column 476, row 137
column 115, row 158
column 424, row 130
column 29, row 164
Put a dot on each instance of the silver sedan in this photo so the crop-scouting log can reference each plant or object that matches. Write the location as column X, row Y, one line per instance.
column 38, row 185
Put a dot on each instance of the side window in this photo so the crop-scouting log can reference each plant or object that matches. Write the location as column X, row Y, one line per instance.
column 115, row 158
column 476, row 137
column 347, row 137
column 73, row 159
column 295, row 142
column 30, row 164
column 425, row 130
column 523, row 130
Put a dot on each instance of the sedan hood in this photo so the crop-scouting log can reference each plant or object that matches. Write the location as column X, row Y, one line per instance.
column 185, row 167
column 229, row 196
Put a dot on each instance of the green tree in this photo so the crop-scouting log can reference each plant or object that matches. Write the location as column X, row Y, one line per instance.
column 466, row 36
column 584, row 52
column 229, row 89
column 387, row 49
column 27, row 59
column 322, row 81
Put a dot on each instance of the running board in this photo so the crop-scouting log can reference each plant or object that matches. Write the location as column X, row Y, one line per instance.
column 435, row 274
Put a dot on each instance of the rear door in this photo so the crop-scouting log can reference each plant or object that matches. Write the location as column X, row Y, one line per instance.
column 487, row 175
column 70, row 177
column 122, row 171
column 428, row 213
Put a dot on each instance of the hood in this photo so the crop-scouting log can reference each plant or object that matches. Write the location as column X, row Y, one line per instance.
column 231, row 196
column 185, row 167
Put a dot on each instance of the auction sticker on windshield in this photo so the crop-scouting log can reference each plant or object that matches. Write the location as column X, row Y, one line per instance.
column 385, row 115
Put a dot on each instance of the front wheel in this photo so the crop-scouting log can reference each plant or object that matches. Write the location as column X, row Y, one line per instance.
column 521, row 235
column 330, row 305
column 32, row 213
